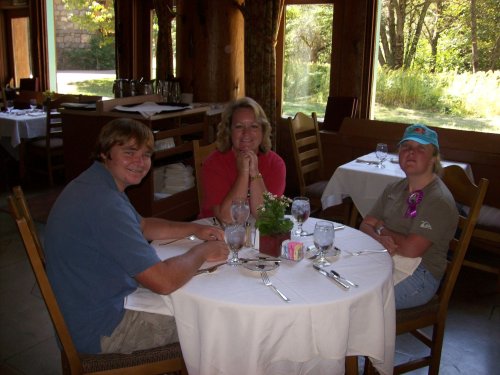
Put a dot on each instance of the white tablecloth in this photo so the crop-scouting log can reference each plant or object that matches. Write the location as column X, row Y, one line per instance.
column 22, row 124
column 364, row 182
column 230, row 323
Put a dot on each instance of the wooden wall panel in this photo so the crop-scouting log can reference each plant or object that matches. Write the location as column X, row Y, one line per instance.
column 210, row 60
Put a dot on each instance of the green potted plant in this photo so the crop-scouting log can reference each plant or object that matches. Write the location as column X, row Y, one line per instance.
column 272, row 224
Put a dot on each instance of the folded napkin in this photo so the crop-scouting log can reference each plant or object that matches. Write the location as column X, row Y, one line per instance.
column 146, row 300
column 148, row 109
column 403, row 267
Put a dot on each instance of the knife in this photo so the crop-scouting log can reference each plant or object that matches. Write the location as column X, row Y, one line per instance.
column 331, row 276
column 260, row 259
column 335, row 273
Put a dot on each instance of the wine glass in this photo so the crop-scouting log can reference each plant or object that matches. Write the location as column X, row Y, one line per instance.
column 240, row 211
column 324, row 234
column 381, row 153
column 301, row 209
column 10, row 106
column 234, row 235
column 33, row 104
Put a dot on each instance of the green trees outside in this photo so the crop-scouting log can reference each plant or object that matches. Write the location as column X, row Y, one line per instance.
column 436, row 58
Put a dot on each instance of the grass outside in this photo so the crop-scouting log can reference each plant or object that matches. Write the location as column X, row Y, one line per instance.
column 104, row 88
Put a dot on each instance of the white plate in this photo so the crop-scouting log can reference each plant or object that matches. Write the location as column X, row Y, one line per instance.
column 259, row 265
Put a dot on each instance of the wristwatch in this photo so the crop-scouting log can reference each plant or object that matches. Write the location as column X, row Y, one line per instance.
column 379, row 230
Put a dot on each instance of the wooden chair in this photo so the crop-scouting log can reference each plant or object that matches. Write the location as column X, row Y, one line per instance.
column 160, row 360
column 434, row 312
column 29, row 84
column 308, row 157
column 200, row 153
column 338, row 108
column 46, row 155
column 485, row 243
column 22, row 210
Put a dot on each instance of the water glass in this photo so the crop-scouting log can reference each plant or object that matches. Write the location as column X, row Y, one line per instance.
column 324, row 234
column 381, row 153
column 301, row 209
column 33, row 104
column 234, row 235
column 10, row 106
column 240, row 211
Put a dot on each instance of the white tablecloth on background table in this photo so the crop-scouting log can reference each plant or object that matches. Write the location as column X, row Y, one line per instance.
column 24, row 125
column 229, row 322
column 364, row 182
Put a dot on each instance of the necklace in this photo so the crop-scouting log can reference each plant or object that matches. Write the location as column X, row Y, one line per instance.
column 413, row 200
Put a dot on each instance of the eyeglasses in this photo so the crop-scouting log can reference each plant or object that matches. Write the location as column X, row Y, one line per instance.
column 239, row 127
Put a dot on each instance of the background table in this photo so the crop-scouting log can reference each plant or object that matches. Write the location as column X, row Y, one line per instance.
column 21, row 124
column 14, row 127
column 364, row 182
column 229, row 322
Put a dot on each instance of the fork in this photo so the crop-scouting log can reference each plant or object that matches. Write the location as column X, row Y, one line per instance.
column 267, row 282
column 209, row 269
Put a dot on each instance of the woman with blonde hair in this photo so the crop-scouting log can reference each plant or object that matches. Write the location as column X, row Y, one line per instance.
column 243, row 166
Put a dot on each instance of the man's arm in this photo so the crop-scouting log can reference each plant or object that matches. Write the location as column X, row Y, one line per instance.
column 169, row 275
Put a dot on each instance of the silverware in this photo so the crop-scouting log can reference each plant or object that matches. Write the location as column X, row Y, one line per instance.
column 218, row 223
column 267, row 282
column 192, row 237
column 344, row 279
column 331, row 276
column 368, row 162
column 209, row 269
column 356, row 253
column 264, row 259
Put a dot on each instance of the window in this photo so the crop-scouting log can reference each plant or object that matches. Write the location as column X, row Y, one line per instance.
column 306, row 57
column 84, row 57
column 439, row 64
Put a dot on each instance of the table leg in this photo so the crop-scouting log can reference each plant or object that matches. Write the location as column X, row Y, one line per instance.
column 22, row 160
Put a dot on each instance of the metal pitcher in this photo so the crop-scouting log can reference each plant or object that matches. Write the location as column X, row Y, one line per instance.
column 119, row 87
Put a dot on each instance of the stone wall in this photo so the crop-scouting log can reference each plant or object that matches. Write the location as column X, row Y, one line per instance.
column 69, row 37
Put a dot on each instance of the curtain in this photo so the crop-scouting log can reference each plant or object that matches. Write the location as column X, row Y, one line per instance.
column 164, row 48
column 39, row 52
column 262, row 20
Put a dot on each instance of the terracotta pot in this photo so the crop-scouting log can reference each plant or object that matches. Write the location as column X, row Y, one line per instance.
column 271, row 245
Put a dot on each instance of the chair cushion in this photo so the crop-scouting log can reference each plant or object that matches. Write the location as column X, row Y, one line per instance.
column 316, row 189
column 101, row 362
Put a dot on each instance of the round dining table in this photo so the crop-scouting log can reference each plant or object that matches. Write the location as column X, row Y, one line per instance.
column 230, row 322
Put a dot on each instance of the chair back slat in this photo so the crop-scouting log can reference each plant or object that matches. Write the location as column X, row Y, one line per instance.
column 200, row 153
column 306, row 148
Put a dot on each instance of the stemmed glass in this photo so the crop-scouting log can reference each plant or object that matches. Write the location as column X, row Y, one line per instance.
column 301, row 209
column 240, row 211
column 33, row 104
column 381, row 153
column 324, row 234
column 10, row 106
column 234, row 235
